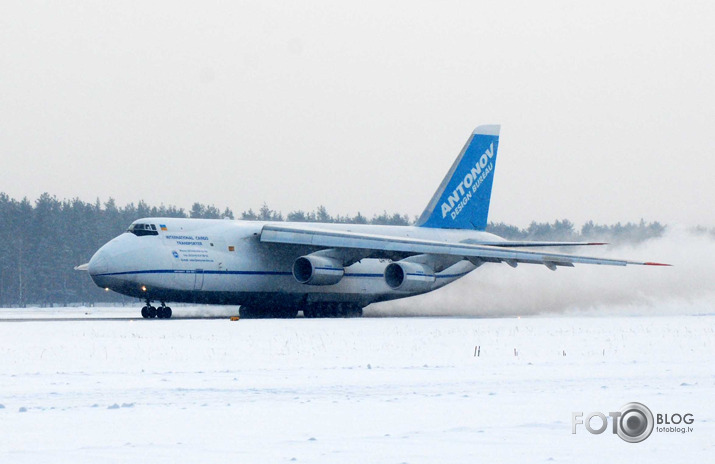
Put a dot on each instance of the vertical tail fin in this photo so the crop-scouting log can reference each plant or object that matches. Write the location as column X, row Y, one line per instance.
column 462, row 199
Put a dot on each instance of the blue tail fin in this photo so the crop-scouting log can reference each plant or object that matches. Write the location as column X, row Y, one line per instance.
column 462, row 199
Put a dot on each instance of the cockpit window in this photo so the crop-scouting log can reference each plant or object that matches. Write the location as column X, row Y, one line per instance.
column 142, row 229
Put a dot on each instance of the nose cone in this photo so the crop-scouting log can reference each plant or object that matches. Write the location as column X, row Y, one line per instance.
column 98, row 264
column 99, row 267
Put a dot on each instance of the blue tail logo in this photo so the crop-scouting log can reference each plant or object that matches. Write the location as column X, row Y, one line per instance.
column 462, row 199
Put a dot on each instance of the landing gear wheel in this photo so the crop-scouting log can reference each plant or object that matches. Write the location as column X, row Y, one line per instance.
column 163, row 312
column 285, row 313
column 251, row 312
column 351, row 311
column 151, row 311
column 310, row 313
column 332, row 310
column 318, row 310
column 145, row 312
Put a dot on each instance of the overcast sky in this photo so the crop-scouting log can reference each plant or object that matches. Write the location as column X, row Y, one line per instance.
column 607, row 109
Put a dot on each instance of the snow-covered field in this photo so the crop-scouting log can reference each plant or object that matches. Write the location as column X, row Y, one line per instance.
column 341, row 391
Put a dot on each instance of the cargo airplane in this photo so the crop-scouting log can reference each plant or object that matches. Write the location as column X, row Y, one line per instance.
column 276, row 269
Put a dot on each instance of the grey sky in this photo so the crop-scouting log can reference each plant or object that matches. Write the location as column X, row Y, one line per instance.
column 607, row 108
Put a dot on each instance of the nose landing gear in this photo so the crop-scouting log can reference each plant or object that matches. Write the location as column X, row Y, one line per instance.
column 163, row 311
column 150, row 312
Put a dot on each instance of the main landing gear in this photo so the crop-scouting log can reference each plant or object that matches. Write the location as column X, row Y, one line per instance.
column 150, row 312
column 315, row 310
column 252, row 312
column 332, row 310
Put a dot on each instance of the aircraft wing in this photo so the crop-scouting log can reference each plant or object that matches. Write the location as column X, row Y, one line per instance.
column 383, row 245
column 526, row 243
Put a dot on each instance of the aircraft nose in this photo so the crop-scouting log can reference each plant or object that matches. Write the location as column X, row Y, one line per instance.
column 99, row 266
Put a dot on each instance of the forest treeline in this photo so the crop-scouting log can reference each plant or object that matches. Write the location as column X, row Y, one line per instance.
column 41, row 242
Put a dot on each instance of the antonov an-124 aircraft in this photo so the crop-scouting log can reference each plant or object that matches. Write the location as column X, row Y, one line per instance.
column 276, row 269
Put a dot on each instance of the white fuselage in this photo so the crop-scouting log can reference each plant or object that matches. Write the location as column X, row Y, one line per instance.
column 224, row 262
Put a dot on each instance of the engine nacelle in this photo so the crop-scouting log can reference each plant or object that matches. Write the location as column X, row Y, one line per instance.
column 409, row 277
column 318, row 270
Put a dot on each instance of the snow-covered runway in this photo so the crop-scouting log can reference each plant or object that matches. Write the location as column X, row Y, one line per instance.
column 359, row 390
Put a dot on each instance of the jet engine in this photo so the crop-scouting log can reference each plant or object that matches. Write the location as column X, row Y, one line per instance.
column 318, row 270
column 409, row 277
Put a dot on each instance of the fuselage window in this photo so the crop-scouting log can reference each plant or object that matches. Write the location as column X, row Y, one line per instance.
column 142, row 229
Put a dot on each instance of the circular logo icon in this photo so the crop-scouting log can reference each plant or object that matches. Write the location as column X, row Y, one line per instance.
column 176, row 255
column 636, row 422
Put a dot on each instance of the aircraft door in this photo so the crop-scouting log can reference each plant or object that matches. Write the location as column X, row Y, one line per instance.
column 198, row 279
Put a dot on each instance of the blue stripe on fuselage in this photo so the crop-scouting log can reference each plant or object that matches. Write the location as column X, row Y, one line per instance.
column 270, row 273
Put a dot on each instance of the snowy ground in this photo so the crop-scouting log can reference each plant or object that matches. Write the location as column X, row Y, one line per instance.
column 362, row 390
